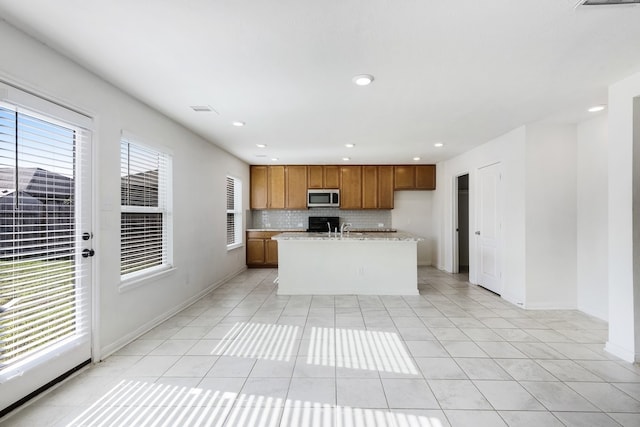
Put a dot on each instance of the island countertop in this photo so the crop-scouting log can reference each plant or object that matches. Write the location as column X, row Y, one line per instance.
column 377, row 236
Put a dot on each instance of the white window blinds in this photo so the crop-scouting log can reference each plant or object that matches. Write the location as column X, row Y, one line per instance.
column 38, row 253
column 234, row 212
column 145, row 230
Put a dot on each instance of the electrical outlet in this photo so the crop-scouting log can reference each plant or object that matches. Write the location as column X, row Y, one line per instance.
column 299, row 225
column 380, row 225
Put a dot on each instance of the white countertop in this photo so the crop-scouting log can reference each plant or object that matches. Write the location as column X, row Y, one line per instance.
column 352, row 235
column 279, row 230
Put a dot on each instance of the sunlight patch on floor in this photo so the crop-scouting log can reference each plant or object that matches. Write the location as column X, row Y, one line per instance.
column 141, row 404
column 359, row 349
column 259, row 340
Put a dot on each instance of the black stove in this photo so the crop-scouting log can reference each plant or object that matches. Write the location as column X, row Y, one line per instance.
column 318, row 224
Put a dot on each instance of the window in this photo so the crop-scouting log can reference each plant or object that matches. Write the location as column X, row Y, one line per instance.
column 145, row 229
column 234, row 212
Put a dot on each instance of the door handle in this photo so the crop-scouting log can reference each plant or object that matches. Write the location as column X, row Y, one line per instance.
column 477, row 233
column 86, row 253
column 87, row 236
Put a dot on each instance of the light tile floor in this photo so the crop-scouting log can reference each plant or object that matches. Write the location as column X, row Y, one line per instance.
column 456, row 355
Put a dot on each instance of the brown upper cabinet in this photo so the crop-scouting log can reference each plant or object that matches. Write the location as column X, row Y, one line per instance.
column 259, row 198
column 278, row 187
column 415, row 177
column 361, row 187
column 385, row 187
column 351, row 187
column 319, row 176
column 296, row 191
column 377, row 187
column 426, row 177
column 369, row 187
column 331, row 177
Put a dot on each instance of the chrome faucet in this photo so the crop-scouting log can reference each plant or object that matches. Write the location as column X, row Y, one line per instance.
column 329, row 227
column 343, row 227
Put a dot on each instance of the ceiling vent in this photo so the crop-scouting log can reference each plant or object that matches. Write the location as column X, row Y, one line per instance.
column 606, row 2
column 203, row 109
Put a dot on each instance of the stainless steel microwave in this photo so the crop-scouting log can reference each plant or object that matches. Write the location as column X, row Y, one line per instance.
column 323, row 198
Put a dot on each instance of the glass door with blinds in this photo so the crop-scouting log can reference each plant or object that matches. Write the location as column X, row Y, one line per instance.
column 45, row 244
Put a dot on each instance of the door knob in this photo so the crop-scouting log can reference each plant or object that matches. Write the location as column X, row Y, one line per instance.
column 86, row 253
column 477, row 233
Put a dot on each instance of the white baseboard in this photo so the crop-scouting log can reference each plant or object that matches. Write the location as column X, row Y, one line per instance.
column 622, row 353
column 595, row 313
column 550, row 306
column 513, row 300
column 108, row 350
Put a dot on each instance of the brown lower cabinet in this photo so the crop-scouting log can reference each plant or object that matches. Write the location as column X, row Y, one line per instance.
column 261, row 250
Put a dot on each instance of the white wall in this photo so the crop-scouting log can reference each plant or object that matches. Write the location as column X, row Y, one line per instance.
column 550, row 194
column 592, row 226
column 199, row 186
column 509, row 150
column 539, row 209
column 413, row 212
column 624, row 234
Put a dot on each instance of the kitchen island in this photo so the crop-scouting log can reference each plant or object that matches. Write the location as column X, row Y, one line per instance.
column 351, row 264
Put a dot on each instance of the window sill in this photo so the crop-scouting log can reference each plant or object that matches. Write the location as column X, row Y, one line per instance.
column 235, row 246
column 144, row 278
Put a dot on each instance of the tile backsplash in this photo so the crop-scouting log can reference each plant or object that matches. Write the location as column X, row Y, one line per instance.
column 300, row 218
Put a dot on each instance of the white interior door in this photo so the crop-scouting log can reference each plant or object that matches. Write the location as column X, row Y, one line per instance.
column 488, row 232
column 45, row 211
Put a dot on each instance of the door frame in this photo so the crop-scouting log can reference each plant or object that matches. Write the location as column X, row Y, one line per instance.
column 455, row 265
column 96, row 352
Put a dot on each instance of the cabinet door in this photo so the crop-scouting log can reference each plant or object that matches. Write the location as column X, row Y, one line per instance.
column 351, row 187
column 315, row 176
column 385, row 187
column 271, row 252
column 255, row 252
column 259, row 192
column 296, row 187
column 405, row 177
column 426, row 177
column 276, row 187
column 331, row 177
column 369, row 187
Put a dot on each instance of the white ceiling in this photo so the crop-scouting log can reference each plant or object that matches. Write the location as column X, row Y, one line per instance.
column 460, row 72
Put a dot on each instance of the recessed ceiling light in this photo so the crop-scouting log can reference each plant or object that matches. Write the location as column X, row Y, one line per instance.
column 438, row 144
column 416, row 158
column 261, row 145
column 238, row 124
column 363, row 79
column 274, row 159
column 349, row 145
column 596, row 108
column 346, row 159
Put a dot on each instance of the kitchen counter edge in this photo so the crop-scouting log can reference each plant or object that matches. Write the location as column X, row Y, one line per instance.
column 388, row 236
